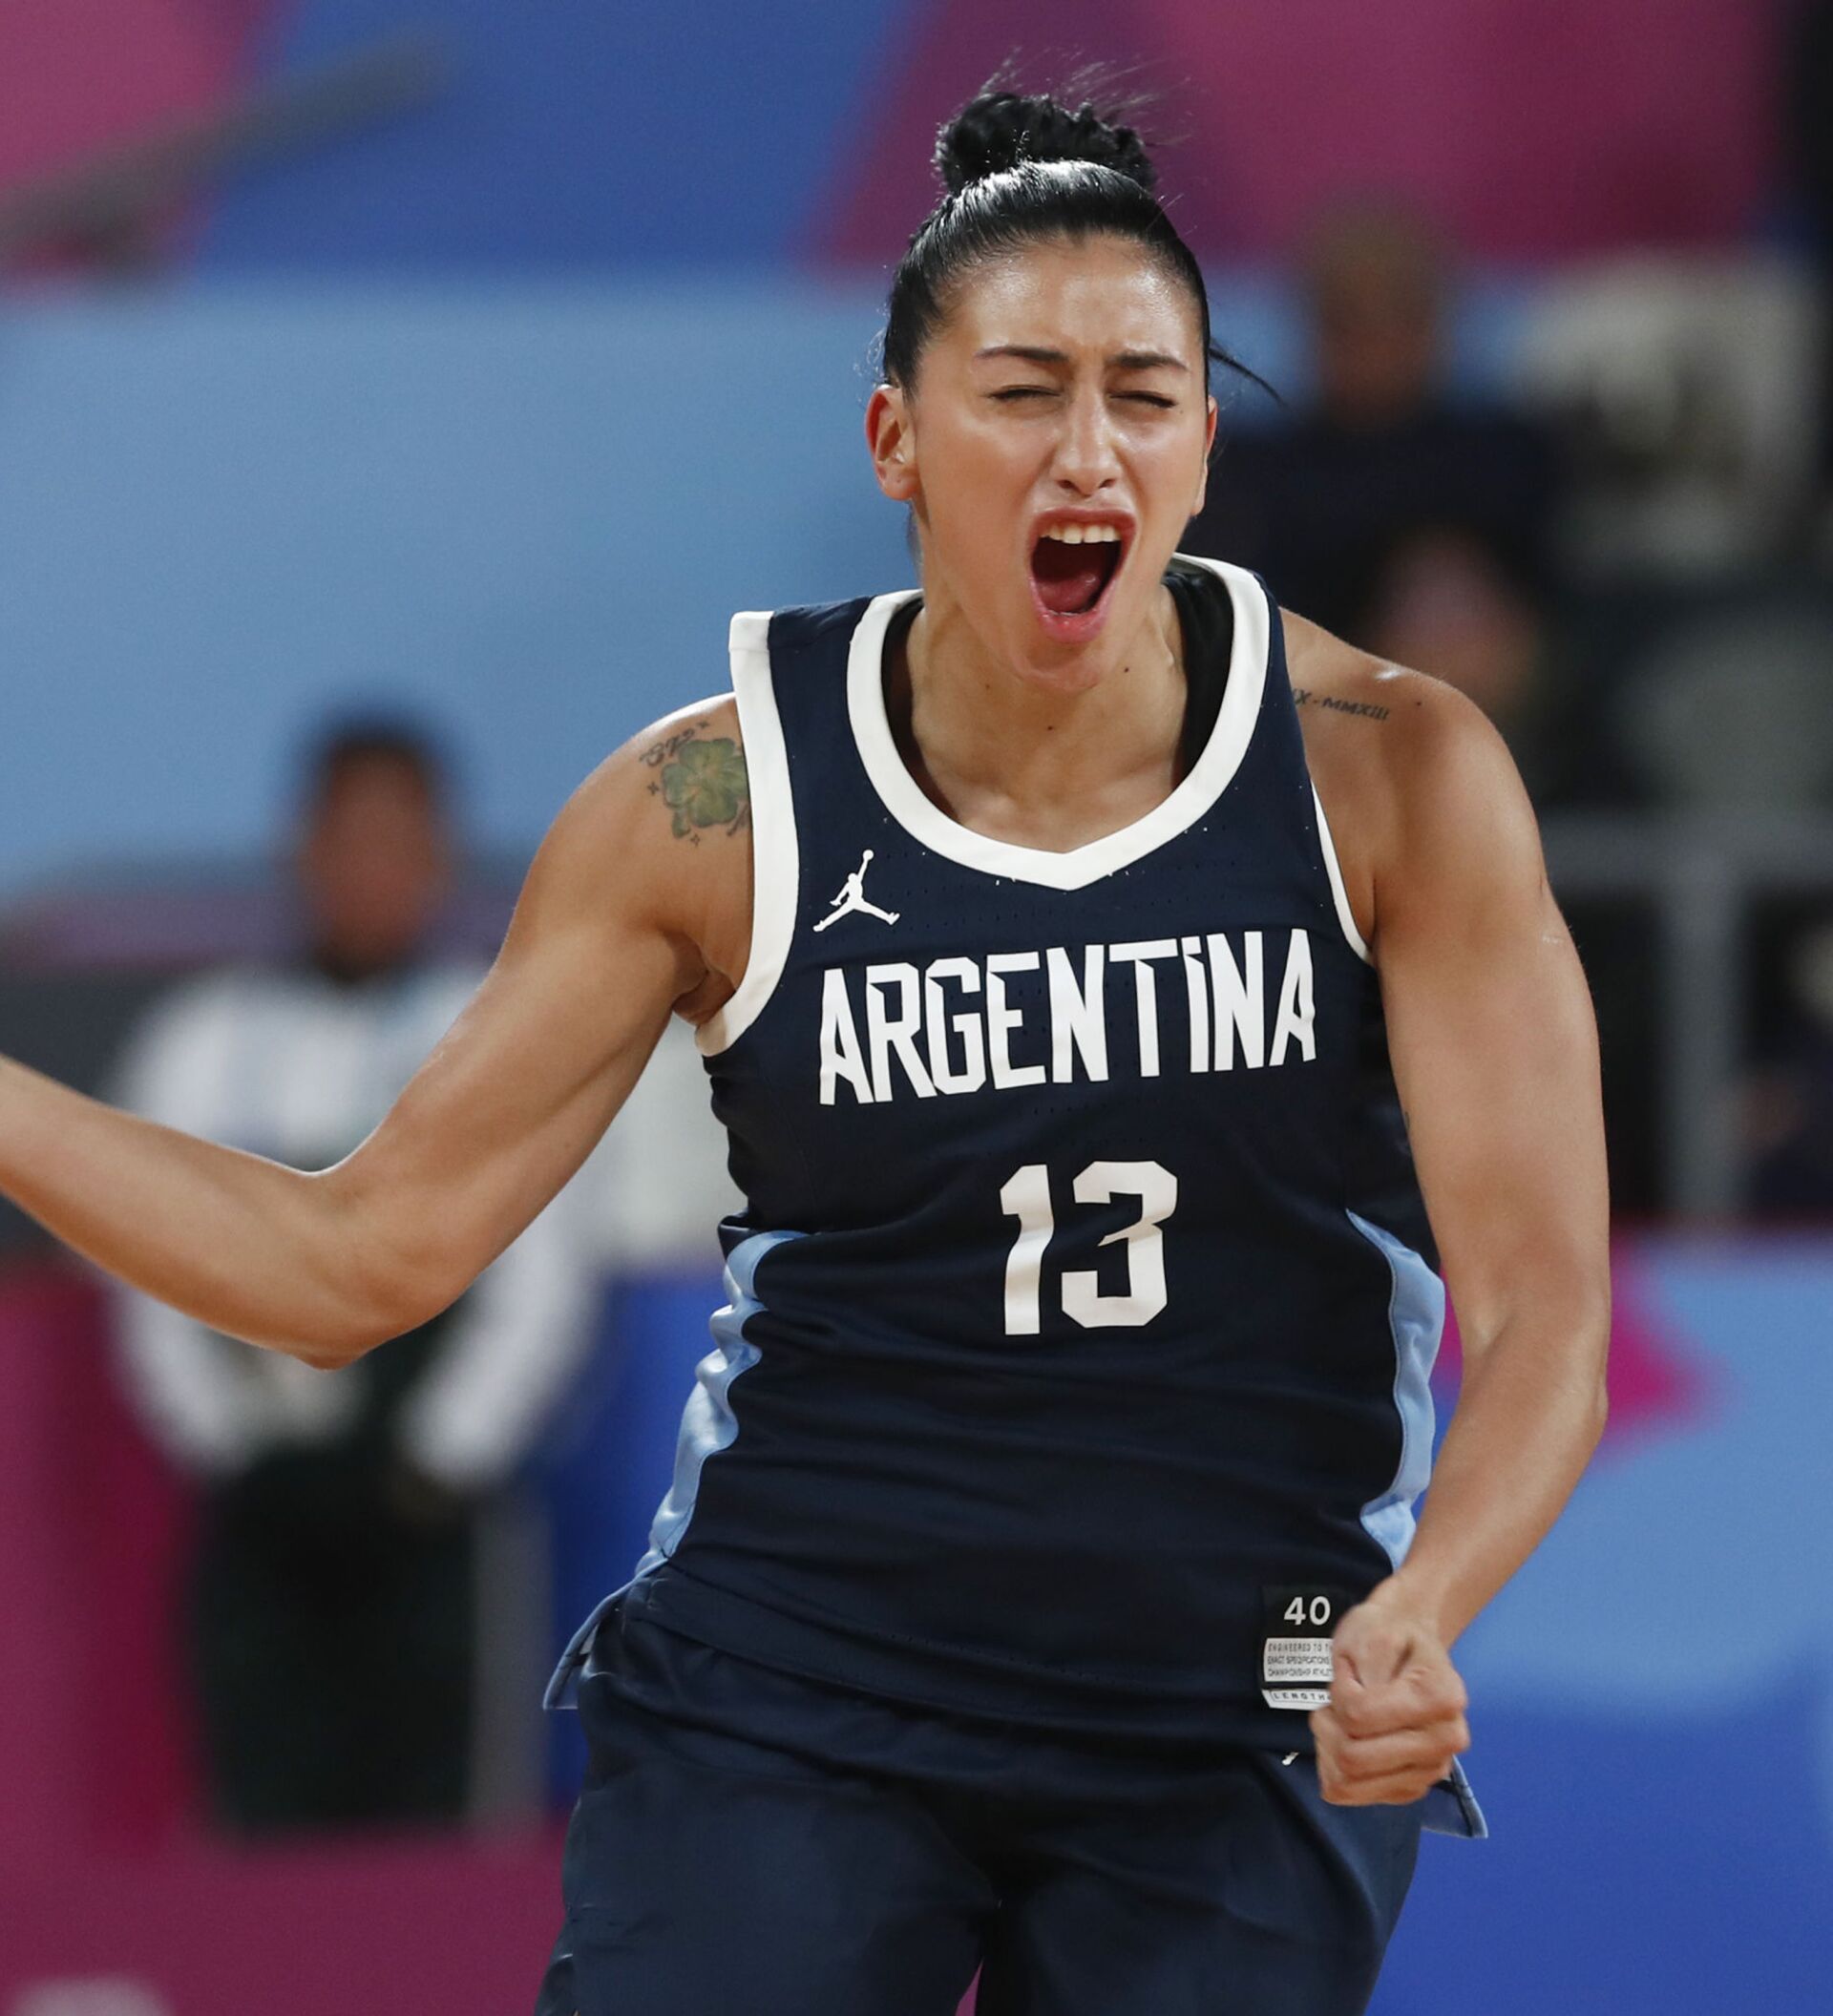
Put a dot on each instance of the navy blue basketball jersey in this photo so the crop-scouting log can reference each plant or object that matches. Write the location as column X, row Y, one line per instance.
column 1082, row 1309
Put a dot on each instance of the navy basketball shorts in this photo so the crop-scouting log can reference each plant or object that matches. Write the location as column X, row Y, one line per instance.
column 868, row 1858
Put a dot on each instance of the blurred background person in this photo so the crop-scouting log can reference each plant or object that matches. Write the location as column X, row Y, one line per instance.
column 1382, row 452
column 1413, row 522
column 335, row 1608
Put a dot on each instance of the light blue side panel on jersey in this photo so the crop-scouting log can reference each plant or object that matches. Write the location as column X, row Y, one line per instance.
column 707, row 1422
column 1415, row 1316
column 707, row 1425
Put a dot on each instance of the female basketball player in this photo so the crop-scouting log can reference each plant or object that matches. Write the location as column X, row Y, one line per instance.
column 1039, row 1587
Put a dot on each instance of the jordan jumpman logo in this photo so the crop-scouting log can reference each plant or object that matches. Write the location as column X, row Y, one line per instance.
column 851, row 896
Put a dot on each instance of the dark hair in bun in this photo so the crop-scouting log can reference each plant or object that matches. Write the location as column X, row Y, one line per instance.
column 1023, row 169
column 1002, row 129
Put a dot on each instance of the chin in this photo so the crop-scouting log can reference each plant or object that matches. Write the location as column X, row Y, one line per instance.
column 1054, row 668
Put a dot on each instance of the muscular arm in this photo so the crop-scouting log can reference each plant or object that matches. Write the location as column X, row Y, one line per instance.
column 1495, row 1055
column 608, row 936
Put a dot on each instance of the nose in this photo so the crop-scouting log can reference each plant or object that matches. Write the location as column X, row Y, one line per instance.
column 1087, row 458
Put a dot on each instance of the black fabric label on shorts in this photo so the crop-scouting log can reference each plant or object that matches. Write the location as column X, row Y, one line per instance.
column 1296, row 1625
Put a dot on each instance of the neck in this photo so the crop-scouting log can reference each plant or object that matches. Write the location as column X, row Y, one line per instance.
column 346, row 968
column 1035, row 763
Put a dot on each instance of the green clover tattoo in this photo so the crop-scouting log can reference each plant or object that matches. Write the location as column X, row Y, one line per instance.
column 705, row 785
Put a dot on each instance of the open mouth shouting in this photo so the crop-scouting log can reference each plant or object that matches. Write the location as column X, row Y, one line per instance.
column 1076, row 558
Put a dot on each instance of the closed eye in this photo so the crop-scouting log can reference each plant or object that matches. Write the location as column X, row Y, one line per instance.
column 1007, row 394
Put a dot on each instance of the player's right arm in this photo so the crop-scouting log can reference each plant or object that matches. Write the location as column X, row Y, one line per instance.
column 610, row 933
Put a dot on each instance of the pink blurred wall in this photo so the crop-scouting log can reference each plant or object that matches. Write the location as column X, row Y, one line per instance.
column 78, row 75
column 1530, row 128
column 94, row 1749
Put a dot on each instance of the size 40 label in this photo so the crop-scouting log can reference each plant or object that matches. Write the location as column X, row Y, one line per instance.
column 1295, row 1663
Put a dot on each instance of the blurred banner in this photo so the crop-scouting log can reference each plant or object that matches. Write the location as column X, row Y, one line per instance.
column 575, row 135
column 1653, row 1698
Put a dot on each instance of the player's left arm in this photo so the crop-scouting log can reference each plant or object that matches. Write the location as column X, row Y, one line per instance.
column 1494, row 1049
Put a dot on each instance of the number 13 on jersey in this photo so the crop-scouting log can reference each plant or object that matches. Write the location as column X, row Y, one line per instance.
column 1026, row 1197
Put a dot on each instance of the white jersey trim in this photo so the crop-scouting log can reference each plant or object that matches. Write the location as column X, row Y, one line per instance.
column 775, row 866
column 1209, row 776
column 1333, row 868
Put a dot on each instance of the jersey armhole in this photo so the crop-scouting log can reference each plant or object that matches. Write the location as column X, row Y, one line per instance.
column 775, row 871
column 1340, row 896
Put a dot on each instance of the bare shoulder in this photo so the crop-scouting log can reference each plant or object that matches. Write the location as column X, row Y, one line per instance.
column 1414, row 781
column 662, row 797
column 692, row 763
column 659, row 836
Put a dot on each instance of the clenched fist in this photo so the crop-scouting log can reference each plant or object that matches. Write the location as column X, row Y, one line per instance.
column 1396, row 1715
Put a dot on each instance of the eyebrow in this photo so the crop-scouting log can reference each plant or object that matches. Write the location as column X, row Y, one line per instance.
column 1121, row 360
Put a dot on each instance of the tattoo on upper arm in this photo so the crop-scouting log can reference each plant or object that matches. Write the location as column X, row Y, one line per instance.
column 1304, row 696
column 701, row 780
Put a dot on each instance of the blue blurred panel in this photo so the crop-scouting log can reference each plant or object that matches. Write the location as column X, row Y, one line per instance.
column 1639, row 1866
column 224, row 511
column 1653, row 1696
column 529, row 512
column 572, row 133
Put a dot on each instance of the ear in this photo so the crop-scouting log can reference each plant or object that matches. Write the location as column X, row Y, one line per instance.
column 1209, row 450
column 890, row 436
